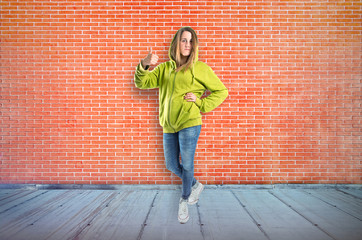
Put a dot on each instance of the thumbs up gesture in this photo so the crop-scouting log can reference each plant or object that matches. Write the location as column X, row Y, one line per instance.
column 151, row 59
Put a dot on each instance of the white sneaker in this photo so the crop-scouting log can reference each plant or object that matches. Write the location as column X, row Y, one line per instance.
column 195, row 193
column 183, row 211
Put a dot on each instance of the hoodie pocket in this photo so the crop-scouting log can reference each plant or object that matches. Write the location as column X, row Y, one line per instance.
column 189, row 111
column 194, row 111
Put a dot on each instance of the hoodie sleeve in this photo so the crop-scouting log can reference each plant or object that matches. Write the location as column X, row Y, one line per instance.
column 219, row 92
column 145, row 79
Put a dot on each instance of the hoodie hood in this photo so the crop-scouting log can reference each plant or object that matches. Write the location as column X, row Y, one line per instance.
column 173, row 61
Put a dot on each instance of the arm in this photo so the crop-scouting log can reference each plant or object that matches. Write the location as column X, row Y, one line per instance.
column 218, row 91
column 143, row 78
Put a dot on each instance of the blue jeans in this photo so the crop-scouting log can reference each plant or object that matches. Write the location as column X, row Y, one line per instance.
column 182, row 143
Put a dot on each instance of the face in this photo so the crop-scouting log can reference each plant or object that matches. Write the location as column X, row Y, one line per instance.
column 186, row 44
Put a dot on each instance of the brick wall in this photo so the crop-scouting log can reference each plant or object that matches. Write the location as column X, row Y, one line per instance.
column 70, row 113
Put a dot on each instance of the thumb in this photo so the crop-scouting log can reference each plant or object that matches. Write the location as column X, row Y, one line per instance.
column 150, row 50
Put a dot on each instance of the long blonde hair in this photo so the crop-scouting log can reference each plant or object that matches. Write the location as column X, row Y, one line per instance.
column 175, row 52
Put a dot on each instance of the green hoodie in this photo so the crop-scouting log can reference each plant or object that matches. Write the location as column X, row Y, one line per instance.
column 175, row 112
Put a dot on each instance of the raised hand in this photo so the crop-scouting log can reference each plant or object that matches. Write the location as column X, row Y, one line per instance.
column 151, row 59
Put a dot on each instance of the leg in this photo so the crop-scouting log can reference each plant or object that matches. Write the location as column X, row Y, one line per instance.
column 188, row 138
column 171, row 151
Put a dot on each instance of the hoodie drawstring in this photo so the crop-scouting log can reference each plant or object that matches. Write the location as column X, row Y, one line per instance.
column 193, row 75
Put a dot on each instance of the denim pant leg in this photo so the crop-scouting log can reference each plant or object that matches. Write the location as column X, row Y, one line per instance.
column 171, row 150
column 182, row 143
column 188, row 138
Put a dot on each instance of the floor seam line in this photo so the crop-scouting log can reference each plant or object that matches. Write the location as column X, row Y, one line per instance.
column 349, row 194
column 23, row 202
column 146, row 218
column 86, row 225
column 200, row 221
column 250, row 215
column 300, row 214
column 332, row 205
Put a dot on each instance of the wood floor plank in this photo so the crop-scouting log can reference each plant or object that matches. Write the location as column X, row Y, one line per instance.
column 344, row 202
column 18, row 217
column 278, row 220
column 19, row 199
column 8, row 193
column 357, row 193
column 332, row 221
column 12, row 197
column 162, row 222
column 224, row 218
column 60, row 219
column 147, row 214
column 121, row 219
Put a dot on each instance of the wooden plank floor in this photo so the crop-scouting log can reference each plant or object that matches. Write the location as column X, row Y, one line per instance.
column 151, row 213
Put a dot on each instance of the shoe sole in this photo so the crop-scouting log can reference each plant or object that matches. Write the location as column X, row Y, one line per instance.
column 183, row 221
column 193, row 203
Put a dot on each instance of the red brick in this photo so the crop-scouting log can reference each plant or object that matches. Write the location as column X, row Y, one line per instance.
column 70, row 113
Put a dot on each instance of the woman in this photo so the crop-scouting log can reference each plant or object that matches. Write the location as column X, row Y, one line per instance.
column 181, row 82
